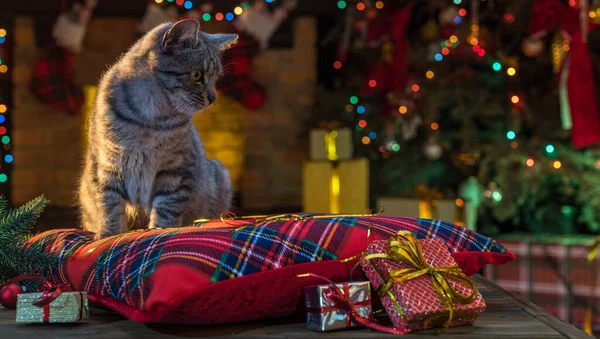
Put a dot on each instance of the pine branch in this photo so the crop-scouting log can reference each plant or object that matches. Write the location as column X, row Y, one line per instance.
column 16, row 255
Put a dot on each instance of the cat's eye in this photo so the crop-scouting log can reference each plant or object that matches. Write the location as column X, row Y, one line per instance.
column 196, row 76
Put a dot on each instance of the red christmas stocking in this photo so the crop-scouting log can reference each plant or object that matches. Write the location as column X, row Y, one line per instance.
column 53, row 83
column 236, row 81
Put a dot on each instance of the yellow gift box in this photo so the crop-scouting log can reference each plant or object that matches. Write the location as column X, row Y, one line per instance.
column 336, row 187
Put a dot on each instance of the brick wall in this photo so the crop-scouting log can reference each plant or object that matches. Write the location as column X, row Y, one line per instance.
column 262, row 149
column 275, row 150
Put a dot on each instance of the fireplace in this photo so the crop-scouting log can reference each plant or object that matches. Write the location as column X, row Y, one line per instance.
column 263, row 149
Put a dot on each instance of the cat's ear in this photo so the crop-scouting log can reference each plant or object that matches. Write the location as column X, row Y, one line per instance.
column 223, row 41
column 184, row 32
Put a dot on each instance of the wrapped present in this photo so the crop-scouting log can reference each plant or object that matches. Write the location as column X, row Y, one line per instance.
column 331, row 144
column 54, row 304
column 323, row 312
column 420, row 284
column 339, row 306
column 336, row 187
column 68, row 307
column 445, row 209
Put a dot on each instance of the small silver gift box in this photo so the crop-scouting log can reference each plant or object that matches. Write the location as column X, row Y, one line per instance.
column 69, row 307
column 323, row 315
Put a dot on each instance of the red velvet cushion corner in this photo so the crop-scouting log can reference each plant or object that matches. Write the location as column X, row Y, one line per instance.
column 229, row 272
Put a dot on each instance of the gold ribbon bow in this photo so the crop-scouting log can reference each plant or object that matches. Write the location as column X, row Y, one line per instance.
column 404, row 248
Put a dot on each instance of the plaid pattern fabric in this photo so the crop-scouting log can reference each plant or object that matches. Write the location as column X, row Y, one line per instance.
column 121, row 267
column 236, row 81
column 554, row 276
column 52, row 81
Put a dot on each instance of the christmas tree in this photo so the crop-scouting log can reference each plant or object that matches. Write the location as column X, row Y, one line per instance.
column 439, row 92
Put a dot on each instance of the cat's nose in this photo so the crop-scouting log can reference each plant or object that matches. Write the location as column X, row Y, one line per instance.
column 212, row 96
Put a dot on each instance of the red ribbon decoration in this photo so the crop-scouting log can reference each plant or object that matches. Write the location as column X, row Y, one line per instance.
column 51, row 291
column 341, row 301
column 581, row 86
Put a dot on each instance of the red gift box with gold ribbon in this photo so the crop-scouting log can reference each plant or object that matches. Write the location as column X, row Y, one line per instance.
column 420, row 284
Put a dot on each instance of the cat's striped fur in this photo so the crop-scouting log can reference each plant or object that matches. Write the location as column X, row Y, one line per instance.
column 145, row 164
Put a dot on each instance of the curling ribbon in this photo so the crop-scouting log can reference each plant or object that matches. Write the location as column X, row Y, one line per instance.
column 405, row 249
column 341, row 301
column 50, row 291
column 229, row 218
column 587, row 322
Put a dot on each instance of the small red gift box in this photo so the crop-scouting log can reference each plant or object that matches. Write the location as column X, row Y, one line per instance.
column 420, row 284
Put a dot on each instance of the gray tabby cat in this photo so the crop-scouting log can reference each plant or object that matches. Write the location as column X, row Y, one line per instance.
column 145, row 164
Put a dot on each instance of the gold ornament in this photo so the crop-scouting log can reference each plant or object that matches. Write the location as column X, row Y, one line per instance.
column 430, row 31
column 532, row 47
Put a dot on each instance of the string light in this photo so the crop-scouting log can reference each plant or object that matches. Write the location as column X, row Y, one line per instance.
column 481, row 52
column 508, row 17
column 457, row 20
column 360, row 109
column 474, row 41
column 445, row 51
column 556, row 164
column 238, row 10
column 415, row 88
column 206, row 16
column 229, row 16
column 435, row 126
column 341, row 4
column 530, row 162
column 598, row 163
column 514, row 99
column 372, row 83
column 366, row 140
column 3, row 177
column 2, row 130
column 3, row 68
column 179, row 2
column 462, row 12
column 372, row 135
column 362, row 123
column 438, row 57
column 187, row 5
column 511, row 71
column 549, row 149
column 453, row 39
column 514, row 144
column 6, row 140
column 349, row 108
column 360, row 6
column 402, row 109
column 2, row 32
column 429, row 74
column 337, row 65
column 457, row 2
column 496, row 66
column 354, row 100
column 476, row 48
column 2, row 108
column 497, row 196
column 511, row 135
column 395, row 147
column 219, row 16
column 379, row 4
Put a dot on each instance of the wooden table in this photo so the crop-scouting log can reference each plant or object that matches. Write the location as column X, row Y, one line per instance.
column 507, row 316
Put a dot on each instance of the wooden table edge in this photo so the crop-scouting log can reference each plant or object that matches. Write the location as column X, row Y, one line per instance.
column 561, row 326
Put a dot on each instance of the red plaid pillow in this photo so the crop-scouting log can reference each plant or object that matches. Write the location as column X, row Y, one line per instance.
column 223, row 272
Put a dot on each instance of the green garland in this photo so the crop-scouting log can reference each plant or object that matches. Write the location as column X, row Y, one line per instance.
column 15, row 227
